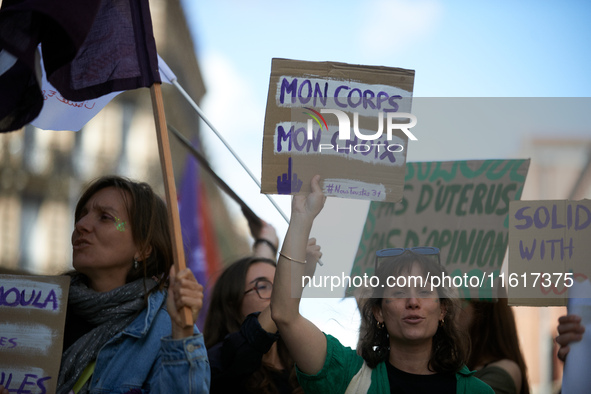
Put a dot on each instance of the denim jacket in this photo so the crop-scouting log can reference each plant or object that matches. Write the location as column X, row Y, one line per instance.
column 144, row 358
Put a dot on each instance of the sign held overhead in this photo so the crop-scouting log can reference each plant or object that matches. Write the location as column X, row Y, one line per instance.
column 349, row 123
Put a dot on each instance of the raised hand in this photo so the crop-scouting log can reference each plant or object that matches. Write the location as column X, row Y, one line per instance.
column 309, row 205
column 313, row 254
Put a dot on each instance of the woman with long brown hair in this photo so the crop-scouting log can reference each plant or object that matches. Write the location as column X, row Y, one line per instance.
column 245, row 351
column 496, row 354
column 124, row 332
column 412, row 344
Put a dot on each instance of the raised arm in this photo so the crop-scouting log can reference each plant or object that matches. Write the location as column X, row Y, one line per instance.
column 306, row 343
column 265, row 240
column 313, row 254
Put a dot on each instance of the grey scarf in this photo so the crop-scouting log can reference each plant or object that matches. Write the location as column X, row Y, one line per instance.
column 110, row 312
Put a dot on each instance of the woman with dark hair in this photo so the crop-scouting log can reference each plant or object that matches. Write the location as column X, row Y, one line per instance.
column 495, row 351
column 412, row 345
column 245, row 351
column 448, row 347
column 124, row 332
column 226, row 311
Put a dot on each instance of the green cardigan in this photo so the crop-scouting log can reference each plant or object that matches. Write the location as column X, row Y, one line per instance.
column 342, row 363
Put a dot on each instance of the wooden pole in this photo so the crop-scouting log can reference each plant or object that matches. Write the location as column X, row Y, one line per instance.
column 170, row 188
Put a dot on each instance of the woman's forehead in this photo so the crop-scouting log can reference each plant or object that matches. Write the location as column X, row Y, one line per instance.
column 411, row 267
column 260, row 270
column 109, row 198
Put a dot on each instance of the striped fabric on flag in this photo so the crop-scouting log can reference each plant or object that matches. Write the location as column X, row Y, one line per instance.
column 201, row 250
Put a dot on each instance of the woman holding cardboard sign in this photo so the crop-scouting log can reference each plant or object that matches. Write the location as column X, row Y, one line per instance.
column 123, row 327
column 412, row 344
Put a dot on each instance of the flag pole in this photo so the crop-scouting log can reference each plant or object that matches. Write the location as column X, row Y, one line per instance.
column 170, row 188
column 221, row 138
column 249, row 213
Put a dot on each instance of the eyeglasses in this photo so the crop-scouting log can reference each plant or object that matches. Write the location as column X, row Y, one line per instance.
column 392, row 252
column 263, row 288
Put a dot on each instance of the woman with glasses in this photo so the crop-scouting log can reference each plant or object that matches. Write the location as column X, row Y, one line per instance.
column 245, row 351
column 411, row 344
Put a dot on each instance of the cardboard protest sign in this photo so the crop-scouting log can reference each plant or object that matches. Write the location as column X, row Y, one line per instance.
column 549, row 249
column 348, row 123
column 33, row 310
column 461, row 207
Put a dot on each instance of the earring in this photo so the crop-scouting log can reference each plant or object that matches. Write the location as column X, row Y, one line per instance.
column 441, row 322
column 380, row 325
column 135, row 264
